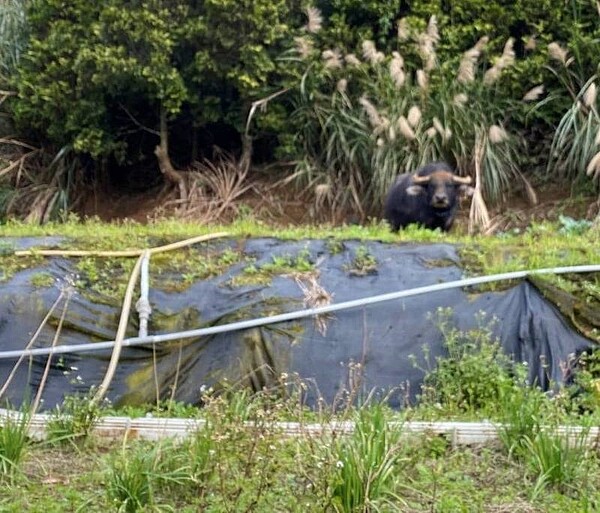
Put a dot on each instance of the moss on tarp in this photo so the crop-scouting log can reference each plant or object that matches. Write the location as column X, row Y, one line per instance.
column 577, row 297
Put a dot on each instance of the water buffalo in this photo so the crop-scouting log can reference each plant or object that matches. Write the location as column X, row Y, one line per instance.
column 428, row 197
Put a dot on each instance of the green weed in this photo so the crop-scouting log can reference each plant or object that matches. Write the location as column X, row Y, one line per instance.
column 14, row 443
column 74, row 420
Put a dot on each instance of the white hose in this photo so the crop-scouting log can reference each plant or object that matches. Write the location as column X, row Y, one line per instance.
column 299, row 314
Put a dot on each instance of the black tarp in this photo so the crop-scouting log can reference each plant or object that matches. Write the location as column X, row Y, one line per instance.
column 381, row 338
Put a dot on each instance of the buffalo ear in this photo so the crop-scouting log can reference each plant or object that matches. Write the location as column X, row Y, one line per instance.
column 414, row 190
column 466, row 190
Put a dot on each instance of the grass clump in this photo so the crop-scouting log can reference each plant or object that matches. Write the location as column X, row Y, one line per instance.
column 14, row 443
column 279, row 265
column 363, row 263
column 366, row 464
column 75, row 419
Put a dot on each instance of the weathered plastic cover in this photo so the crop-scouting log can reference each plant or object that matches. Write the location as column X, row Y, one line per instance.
column 380, row 338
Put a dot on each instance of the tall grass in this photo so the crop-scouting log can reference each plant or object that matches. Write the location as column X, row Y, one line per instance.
column 575, row 150
column 12, row 35
column 362, row 121
column 135, row 474
column 366, row 465
column 13, row 444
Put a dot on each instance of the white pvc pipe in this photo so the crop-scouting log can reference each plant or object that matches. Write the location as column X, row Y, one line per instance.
column 298, row 314
column 150, row 428
column 143, row 304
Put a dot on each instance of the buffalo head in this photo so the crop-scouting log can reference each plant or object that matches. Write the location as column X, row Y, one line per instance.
column 441, row 187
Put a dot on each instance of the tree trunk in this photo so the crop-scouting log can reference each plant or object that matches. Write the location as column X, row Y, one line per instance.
column 164, row 162
column 246, row 156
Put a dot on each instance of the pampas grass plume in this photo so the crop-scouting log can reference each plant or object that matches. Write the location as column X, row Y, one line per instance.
column 534, row 93
column 332, row 58
column 497, row 134
column 352, row 60
column 414, row 116
column 422, row 79
column 372, row 113
column 593, row 167
column 557, row 52
column 405, row 129
column 460, row 99
column 315, row 20
column 304, row 47
column 403, row 29
column 589, row 97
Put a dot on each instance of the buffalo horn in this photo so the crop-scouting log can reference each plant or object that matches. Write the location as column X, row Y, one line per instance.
column 421, row 179
column 463, row 180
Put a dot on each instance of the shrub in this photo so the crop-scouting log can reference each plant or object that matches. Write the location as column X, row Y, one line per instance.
column 474, row 376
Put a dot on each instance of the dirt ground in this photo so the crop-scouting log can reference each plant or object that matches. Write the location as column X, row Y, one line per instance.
column 281, row 204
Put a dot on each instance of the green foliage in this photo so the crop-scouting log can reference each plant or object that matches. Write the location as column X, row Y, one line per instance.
column 363, row 263
column 96, row 76
column 365, row 464
column 557, row 459
column 474, row 376
column 75, row 419
column 570, row 226
column 14, row 443
column 136, row 473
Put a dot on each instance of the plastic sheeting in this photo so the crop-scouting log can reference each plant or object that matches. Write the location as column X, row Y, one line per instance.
column 380, row 338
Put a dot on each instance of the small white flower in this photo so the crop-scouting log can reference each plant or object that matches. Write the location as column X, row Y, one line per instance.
column 339, row 464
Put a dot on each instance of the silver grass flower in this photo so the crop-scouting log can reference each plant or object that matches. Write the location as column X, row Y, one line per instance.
column 491, row 75
column 342, row 85
column 432, row 29
column 304, row 47
column 593, row 168
column 558, row 53
column 414, row 116
column 438, row 126
column 497, row 134
column 391, row 135
column 531, row 44
column 444, row 132
column 460, row 99
column 422, row 80
column 430, row 132
column 481, row 43
column 427, row 50
column 372, row 112
column 332, row 58
column 534, row 93
column 506, row 60
column 597, row 140
column 380, row 142
column 403, row 30
column 352, row 60
column 589, row 97
column 315, row 20
column 370, row 52
column 508, row 54
column 405, row 129
column 466, row 69
column 397, row 69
